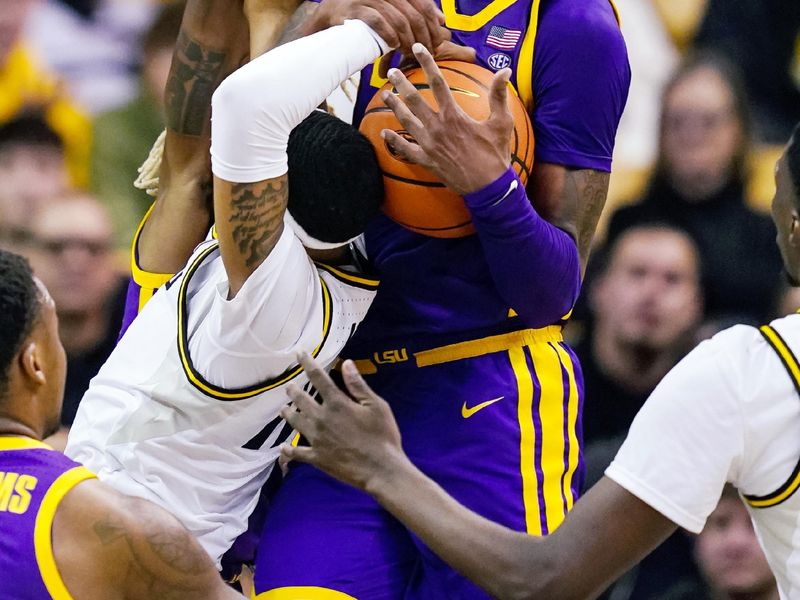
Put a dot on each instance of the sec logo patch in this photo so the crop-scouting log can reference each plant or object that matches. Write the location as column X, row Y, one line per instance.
column 498, row 61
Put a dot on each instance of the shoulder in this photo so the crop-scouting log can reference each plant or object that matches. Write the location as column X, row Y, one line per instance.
column 588, row 21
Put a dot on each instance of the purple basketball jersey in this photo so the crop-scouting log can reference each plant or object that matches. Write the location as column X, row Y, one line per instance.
column 33, row 480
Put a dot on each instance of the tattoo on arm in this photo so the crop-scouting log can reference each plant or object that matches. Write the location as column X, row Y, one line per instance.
column 294, row 27
column 195, row 73
column 256, row 216
column 590, row 189
column 165, row 559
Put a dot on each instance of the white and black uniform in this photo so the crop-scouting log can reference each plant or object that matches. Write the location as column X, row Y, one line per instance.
column 728, row 412
column 185, row 412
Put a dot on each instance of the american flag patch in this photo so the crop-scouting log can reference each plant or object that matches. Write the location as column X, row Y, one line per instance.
column 505, row 39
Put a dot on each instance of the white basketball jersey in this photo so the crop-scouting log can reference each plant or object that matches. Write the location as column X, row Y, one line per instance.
column 729, row 411
column 185, row 412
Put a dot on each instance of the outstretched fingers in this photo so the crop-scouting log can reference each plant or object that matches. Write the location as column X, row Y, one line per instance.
column 355, row 384
column 498, row 99
column 441, row 91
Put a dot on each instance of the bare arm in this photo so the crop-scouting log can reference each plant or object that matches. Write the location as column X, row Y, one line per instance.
column 570, row 199
column 358, row 441
column 213, row 41
column 111, row 546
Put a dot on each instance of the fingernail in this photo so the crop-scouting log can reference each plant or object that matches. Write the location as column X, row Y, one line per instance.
column 385, row 95
column 392, row 74
column 349, row 367
column 417, row 48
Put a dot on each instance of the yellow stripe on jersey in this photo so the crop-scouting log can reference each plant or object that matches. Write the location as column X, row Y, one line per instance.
column 455, row 20
column 18, row 442
column 303, row 593
column 792, row 366
column 547, row 363
column 573, row 458
column 148, row 282
column 525, row 61
column 220, row 393
column 487, row 345
column 527, row 442
column 42, row 531
column 350, row 278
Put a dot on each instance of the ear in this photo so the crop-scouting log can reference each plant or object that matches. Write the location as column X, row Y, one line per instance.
column 31, row 363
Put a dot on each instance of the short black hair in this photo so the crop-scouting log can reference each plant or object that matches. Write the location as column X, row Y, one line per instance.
column 29, row 128
column 793, row 161
column 335, row 182
column 20, row 301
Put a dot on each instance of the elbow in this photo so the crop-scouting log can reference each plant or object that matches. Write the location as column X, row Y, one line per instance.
column 531, row 582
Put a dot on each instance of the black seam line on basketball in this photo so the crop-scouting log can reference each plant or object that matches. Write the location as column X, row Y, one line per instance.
column 433, row 184
column 448, row 228
column 376, row 110
column 470, row 77
column 188, row 367
column 521, row 163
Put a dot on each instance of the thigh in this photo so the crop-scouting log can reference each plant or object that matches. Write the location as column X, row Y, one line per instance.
column 323, row 539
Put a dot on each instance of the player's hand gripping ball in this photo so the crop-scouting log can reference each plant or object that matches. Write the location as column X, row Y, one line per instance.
column 415, row 197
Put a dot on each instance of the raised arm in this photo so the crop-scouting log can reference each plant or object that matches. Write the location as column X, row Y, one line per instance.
column 254, row 110
column 110, row 546
column 213, row 41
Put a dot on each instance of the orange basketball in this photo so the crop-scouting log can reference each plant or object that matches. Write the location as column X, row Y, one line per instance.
column 415, row 198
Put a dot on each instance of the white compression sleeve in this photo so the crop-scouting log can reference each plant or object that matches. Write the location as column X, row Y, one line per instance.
column 255, row 108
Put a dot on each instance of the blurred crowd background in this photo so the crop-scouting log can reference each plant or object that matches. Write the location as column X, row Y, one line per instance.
column 685, row 247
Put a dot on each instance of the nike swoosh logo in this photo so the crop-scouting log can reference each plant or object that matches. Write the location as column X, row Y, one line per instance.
column 468, row 412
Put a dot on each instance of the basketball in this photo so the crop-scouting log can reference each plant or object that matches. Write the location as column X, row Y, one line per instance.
column 415, row 198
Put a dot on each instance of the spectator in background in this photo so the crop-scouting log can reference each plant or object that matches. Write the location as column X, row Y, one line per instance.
column 71, row 252
column 698, row 186
column 729, row 557
column 25, row 85
column 93, row 45
column 124, row 136
column 646, row 303
column 32, row 170
column 760, row 36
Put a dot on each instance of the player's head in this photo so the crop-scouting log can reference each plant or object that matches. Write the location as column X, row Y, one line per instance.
column 32, row 170
column 335, row 184
column 705, row 128
column 728, row 553
column 786, row 207
column 649, row 293
column 32, row 359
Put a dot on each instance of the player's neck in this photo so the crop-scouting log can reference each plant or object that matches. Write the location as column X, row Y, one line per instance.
column 13, row 427
column 632, row 367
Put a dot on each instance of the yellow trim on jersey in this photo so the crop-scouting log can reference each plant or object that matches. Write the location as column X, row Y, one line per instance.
column 42, row 531
column 303, row 593
column 455, row 20
column 487, row 345
column 792, row 366
column 21, row 442
column 525, row 61
column 547, row 364
column 527, row 442
column 239, row 394
column 616, row 12
column 148, row 281
column 573, row 459
column 352, row 278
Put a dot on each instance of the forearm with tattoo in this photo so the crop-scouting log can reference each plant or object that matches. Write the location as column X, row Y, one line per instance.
column 590, row 188
column 196, row 71
column 256, row 216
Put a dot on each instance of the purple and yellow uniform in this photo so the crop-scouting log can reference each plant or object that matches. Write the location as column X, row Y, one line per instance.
column 485, row 392
column 34, row 479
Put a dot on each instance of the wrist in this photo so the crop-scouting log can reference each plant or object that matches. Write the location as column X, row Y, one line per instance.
column 388, row 475
column 494, row 192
